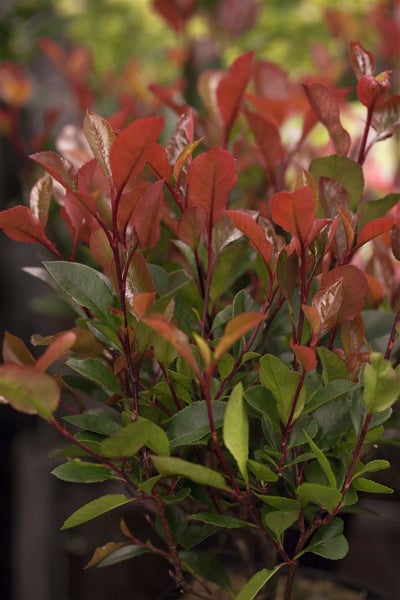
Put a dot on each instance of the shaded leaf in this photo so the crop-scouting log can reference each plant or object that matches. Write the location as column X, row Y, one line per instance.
column 177, row 338
column 97, row 371
column 191, row 424
column 128, row 440
column 329, row 541
column 250, row 590
column 283, row 382
column 57, row 350
column 14, row 350
column 354, row 289
column 223, row 521
column 268, row 140
column 386, row 118
column 78, row 471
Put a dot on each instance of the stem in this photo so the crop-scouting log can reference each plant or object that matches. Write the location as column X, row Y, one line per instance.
column 362, row 152
column 210, row 269
column 393, row 336
column 290, row 580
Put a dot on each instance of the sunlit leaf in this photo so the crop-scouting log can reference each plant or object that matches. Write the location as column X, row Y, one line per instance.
column 321, row 495
column 250, row 590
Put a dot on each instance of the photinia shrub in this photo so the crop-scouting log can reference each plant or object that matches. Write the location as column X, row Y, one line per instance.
column 232, row 289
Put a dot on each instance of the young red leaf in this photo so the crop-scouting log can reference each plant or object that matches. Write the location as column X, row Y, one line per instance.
column 253, row 231
column 184, row 135
column 158, row 162
column 232, row 87
column 235, row 329
column 352, row 334
column 175, row 12
column 146, row 215
column 142, row 302
column 100, row 136
column 305, row 356
column 268, row 140
column 132, row 148
column 185, row 156
column 354, row 290
column 21, row 225
column 39, row 199
column 14, row 350
column 28, row 390
column 362, row 61
column 326, row 304
column 294, row 211
column 78, row 211
column 58, row 167
column 211, row 177
column 325, row 106
column 395, row 241
column 374, row 229
column 56, row 350
column 386, row 118
column 138, row 278
column 173, row 335
column 373, row 91
column 192, row 225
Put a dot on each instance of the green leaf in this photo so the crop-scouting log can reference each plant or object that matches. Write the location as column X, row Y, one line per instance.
column 321, row 495
column 191, row 424
column 283, row 382
column 278, row 521
column 103, row 423
column 148, row 485
column 333, row 367
column 77, row 471
column 261, row 472
column 250, row 590
column 206, row 566
column 381, row 384
column 345, row 171
column 95, row 508
column 122, row 553
column 329, row 541
column 323, row 461
column 157, row 440
column 372, row 467
column 168, row 465
column 85, row 285
column 223, row 521
column 28, row 390
column 333, row 390
column 280, row 502
column 128, row 440
column 361, row 484
column 96, row 370
column 167, row 284
column 236, row 429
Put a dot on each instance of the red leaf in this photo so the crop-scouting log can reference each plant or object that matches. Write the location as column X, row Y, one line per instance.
column 373, row 91
column 374, row 229
column 253, row 231
column 173, row 335
column 78, row 211
column 325, row 106
column 235, row 329
column 352, row 334
column 294, row 211
column 14, row 350
column 268, row 140
column 58, row 167
column 305, row 356
column 40, row 197
column 175, row 12
column 56, row 350
column 232, row 87
column 158, row 162
column 183, row 136
column 192, row 225
column 386, row 118
column 132, row 148
column 362, row 61
column 21, row 225
column 146, row 215
column 211, row 177
column 354, row 289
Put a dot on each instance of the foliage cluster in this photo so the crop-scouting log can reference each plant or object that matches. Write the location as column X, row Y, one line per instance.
column 234, row 359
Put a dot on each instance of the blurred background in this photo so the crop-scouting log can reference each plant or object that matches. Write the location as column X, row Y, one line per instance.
column 59, row 58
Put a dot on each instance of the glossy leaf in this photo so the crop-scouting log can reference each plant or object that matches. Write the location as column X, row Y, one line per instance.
column 28, row 390
column 97, row 371
column 236, row 429
column 381, row 384
column 211, row 177
column 253, row 231
column 282, row 382
column 362, row 61
column 373, row 91
column 354, row 290
column 78, row 471
column 386, row 118
column 40, row 197
column 132, row 148
column 234, row 330
column 20, row 224
column 191, row 424
column 100, row 136
column 95, row 508
column 84, row 284
column 146, row 216
column 325, row 105
column 58, row 167
column 172, row 466
column 115, row 552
